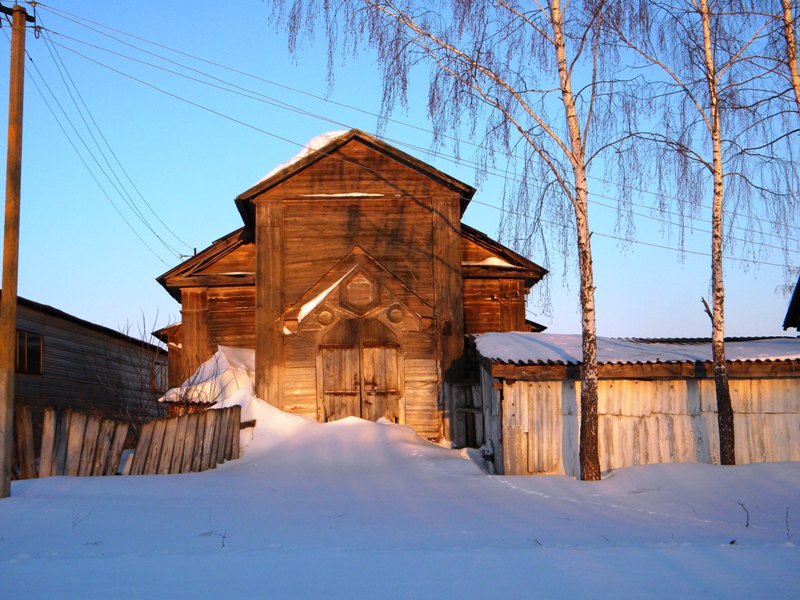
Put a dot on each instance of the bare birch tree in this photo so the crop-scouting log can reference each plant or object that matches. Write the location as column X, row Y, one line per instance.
column 513, row 77
column 721, row 132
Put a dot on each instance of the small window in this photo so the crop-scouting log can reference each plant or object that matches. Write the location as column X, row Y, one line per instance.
column 159, row 384
column 29, row 353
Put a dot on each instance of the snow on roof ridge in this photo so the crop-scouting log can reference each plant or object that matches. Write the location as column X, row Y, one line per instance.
column 313, row 145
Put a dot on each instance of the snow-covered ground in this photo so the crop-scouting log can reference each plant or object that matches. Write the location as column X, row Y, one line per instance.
column 355, row 509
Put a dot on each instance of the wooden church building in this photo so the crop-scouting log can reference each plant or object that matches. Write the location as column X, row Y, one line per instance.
column 355, row 282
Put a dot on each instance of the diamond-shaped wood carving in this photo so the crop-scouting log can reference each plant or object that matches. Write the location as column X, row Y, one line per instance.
column 360, row 294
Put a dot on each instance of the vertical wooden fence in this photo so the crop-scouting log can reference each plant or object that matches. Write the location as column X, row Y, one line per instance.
column 189, row 443
column 77, row 444
column 73, row 443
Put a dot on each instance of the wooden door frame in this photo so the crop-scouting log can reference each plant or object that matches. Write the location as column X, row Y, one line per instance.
column 321, row 415
column 321, row 412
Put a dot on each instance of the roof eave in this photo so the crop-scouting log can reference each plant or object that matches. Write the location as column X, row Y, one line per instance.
column 219, row 246
column 507, row 253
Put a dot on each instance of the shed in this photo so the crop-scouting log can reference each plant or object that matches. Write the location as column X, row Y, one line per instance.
column 657, row 402
column 354, row 281
column 63, row 361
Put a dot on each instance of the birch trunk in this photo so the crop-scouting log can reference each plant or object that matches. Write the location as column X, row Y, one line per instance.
column 589, row 451
column 791, row 49
column 724, row 408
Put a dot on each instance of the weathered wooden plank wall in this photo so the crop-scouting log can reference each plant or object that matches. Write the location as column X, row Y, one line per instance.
column 232, row 316
column 641, row 422
column 468, row 422
column 491, row 302
column 396, row 232
column 84, row 368
column 23, row 437
column 491, row 401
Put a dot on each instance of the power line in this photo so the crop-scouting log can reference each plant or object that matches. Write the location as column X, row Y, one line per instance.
column 279, row 104
column 571, row 225
column 91, row 173
column 118, row 187
column 692, row 228
column 81, row 21
column 114, row 155
column 77, row 151
column 271, row 134
column 108, row 171
column 70, row 85
column 238, row 90
column 284, row 105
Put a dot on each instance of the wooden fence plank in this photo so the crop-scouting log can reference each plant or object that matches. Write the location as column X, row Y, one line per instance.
column 229, row 434
column 77, row 426
column 189, row 442
column 103, row 445
column 154, row 453
column 90, row 433
column 167, row 446
column 222, row 434
column 47, row 450
column 23, row 433
column 209, row 451
column 62, row 436
column 142, row 448
column 197, row 458
column 117, row 444
column 180, row 440
column 236, row 423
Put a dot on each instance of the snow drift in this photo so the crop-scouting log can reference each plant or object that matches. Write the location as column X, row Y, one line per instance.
column 361, row 509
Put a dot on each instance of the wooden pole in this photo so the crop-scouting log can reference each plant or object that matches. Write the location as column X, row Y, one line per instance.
column 8, row 299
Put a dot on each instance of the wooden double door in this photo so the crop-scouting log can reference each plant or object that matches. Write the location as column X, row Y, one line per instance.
column 360, row 371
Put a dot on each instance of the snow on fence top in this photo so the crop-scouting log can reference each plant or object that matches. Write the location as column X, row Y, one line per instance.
column 541, row 348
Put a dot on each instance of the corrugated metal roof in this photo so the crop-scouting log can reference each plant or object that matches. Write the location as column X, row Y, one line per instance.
column 565, row 349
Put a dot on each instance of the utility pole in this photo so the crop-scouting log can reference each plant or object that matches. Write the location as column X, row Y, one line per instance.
column 8, row 299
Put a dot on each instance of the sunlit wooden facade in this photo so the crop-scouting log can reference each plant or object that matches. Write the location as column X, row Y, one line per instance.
column 355, row 281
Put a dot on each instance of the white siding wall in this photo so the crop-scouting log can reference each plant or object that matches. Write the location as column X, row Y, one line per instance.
column 643, row 422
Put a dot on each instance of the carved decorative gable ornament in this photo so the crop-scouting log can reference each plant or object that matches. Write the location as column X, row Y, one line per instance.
column 358, row 286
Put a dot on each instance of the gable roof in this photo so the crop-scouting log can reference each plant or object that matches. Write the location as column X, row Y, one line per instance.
column 511, row 265
column 325, row 145
column 203, row 259
column 170, row 332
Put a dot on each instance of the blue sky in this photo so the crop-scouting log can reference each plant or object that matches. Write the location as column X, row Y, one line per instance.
column 190, row 148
